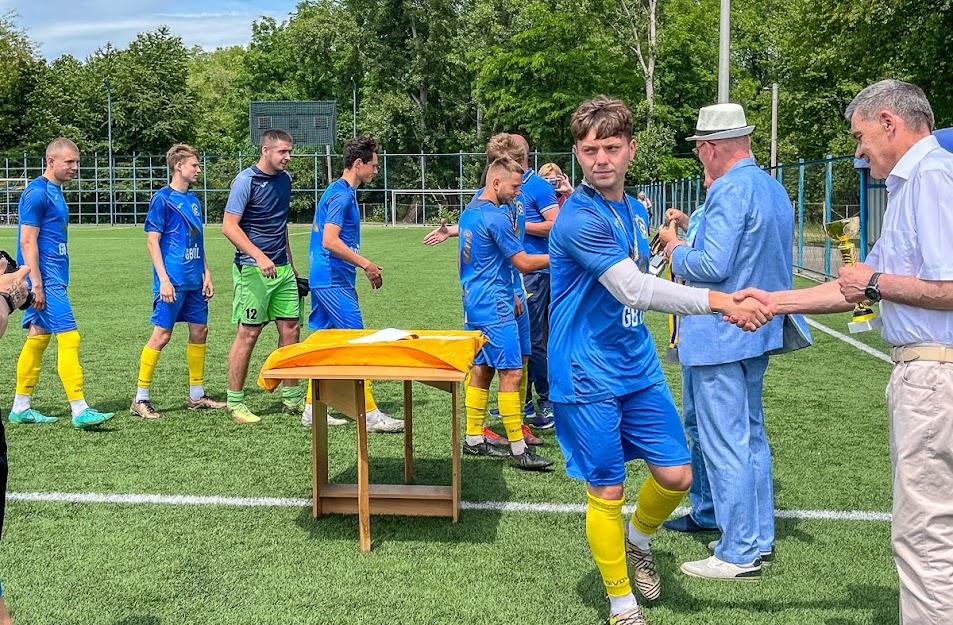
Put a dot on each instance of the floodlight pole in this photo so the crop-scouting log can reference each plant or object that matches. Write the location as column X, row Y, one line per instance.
column 354, row 104
column 724, row 51
column 109, row 125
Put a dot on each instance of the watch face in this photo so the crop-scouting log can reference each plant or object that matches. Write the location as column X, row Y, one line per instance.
column 872, row 293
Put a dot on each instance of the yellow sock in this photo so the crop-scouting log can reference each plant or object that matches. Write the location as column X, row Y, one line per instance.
column 511, row 414
column 67, row 364
column 195, row 356
column 310, row 394
column 476, row 401
column 606, row 534
column 147, row 366
column 28, row 365
column 369, row 403
column 654, row 505
column 524, row 385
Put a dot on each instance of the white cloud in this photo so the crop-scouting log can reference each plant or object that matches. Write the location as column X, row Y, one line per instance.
column 79, row 28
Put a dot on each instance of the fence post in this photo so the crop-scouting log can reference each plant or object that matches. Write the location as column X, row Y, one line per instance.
column 392, row 207
column 135, row 186
column 461, row 181
column 314, row 162
column 96, row 176
column 828, row 199
column 780, row 175
column 800, row 213
column 864, row 173
column 204, row 189
column 698, row 191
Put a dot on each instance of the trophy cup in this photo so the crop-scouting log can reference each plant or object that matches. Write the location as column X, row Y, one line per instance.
column 657, row 265
column 842, row 231
column 658, row 261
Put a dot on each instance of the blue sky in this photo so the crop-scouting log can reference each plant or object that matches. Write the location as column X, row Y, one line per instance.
column 79, row 27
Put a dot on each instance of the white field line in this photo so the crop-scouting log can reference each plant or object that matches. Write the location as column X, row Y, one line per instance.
column 876, row 353
column 289, row 502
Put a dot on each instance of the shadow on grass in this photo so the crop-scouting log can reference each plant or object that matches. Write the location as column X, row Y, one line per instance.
column 474, row 527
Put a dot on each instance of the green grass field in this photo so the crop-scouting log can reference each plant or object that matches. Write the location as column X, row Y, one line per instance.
column 160, row 564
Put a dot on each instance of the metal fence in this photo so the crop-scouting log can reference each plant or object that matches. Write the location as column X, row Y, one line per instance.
column 820, row 191
column 121, row 194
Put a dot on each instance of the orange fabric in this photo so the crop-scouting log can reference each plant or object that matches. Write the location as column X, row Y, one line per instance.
column 331, row 348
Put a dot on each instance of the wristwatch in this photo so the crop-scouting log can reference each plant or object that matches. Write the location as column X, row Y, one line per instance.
column 872, row 292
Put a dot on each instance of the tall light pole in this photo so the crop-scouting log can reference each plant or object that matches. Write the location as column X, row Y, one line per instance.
column 109, row 125
column 774, row 127
column 724, row 51
column 354, row 104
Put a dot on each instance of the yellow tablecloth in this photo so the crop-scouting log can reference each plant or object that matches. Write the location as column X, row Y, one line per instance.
column 437, row 349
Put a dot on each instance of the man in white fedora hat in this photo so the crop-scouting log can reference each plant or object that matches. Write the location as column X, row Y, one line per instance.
column 743, row 239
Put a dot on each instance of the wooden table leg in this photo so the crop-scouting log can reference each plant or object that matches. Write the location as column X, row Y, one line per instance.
column 319, row 448
column 408, row 432
column 455, row 457
column 363, row 487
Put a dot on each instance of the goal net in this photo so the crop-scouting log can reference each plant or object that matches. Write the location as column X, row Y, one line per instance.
column 425, row 207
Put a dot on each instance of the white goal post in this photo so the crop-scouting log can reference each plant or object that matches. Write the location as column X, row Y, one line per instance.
column 429, row 201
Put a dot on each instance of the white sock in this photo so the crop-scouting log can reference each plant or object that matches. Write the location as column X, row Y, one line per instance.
column 77, row 406
column 374, row 416
column 618, row 605
column 472, row 441
column 21, row 403
column 637, row 538
column 142, row 393
column 196, row 392
column 518, row 447
column 307, row 412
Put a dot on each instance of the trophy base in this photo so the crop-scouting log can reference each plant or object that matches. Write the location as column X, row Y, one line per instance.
column 865, row 325
column 657, row 264
column 671, row 355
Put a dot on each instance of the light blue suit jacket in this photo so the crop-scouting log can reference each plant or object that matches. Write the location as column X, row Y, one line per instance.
column 745, row 239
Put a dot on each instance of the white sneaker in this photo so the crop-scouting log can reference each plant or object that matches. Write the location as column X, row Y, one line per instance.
column 767, row 557
column 306, row 418
column 380, row 423
column 714, row 568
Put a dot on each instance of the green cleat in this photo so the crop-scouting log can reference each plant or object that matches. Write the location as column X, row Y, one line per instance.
column 242, row 414
column 295, row 407
column 90, row 418
column 30, row 416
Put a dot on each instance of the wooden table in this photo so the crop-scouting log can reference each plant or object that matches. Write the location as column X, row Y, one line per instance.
column 342, row 388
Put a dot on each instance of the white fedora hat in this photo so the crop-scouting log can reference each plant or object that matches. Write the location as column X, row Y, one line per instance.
column 721, row 121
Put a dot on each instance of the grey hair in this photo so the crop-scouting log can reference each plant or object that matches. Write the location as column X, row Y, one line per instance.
column 903, row 98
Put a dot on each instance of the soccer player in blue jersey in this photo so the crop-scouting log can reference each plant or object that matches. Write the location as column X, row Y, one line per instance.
column 538, row 201
column 182, row 282
column 256, row 222
column 335, row 255
column 610, row 399
column 488, row 244
column 42, row 244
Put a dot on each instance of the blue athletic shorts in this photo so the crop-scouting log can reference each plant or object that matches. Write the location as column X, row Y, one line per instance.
column 57, row 317
column 522, row 324
column 335, row 307
column 189, row 306
column 598, row 438
column 503, row 350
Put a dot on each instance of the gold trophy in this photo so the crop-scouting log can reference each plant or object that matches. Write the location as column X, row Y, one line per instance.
column 842, row 231
column 658, row 261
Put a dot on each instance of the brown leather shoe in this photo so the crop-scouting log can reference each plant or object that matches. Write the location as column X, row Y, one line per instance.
column 204, row 403
column 144, row 408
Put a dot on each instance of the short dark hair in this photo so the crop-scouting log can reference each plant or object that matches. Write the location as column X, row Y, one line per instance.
column 363, row 148
column 274, row 135
column 605, row 116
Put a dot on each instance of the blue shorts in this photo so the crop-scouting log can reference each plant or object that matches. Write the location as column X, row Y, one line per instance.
column 503, row 350
column 189, row 306
column 335, row 307
column 522, row 324
column 598, row 438
column 57, row 317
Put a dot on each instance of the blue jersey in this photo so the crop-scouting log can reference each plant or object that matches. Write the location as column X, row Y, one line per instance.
column 338, row 206
column 177, row 217
column 518, row 219
column 487, row 241
column 42, row 206
column 598, row 348
column 536, row 196
column 262, row 201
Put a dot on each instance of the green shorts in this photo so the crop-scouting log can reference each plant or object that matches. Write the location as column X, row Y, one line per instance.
column 258, row 299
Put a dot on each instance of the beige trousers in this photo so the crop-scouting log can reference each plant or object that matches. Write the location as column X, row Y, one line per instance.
column 920, row 400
